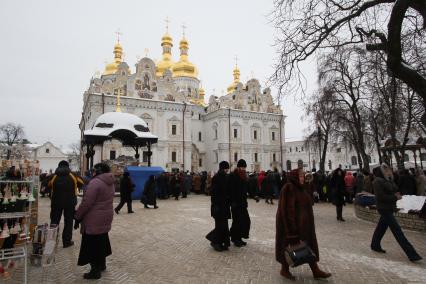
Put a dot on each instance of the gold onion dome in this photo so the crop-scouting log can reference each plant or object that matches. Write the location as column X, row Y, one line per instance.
column 233, row 86
column 111, row 68
column 184, row 68
column 166, row 62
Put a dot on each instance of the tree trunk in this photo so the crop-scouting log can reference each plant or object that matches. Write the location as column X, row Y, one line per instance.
column 324, row 154
column 9, row 153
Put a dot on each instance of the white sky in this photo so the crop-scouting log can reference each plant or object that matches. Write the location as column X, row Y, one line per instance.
column 50, row 49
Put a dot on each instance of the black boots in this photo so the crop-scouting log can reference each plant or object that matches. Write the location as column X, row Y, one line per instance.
column 95, row 272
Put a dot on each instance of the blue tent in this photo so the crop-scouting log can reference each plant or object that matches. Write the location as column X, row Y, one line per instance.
column 139, row 176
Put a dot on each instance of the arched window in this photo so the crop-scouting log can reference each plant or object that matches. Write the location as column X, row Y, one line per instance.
column 300, row 164
column 288, row 165
column 423, row 156
column 138, row 85
column 406, row 158
column 235, row 157
column 354, row 161
column 330, row 166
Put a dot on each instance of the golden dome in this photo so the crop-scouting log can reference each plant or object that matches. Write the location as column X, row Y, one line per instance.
column 233, row 86
column 111, row 68
column 184, row 68
column 166, row 62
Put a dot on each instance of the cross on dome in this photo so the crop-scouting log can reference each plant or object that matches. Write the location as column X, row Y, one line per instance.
column 183, row 29
column 167, row 24
column 118, row 33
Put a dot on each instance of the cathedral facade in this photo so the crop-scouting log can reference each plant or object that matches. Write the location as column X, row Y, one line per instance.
column 192, row 135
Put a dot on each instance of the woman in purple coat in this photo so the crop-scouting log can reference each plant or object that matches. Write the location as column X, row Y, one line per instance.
column 95, row 214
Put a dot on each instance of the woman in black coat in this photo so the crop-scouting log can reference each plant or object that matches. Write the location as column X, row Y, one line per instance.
column 149, row 196
column 126, row 189
column 337, row 185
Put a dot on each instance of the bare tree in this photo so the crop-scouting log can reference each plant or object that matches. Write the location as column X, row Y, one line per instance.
column 11, row 134
column 322, row 109
column 75, row 153
column 392, row 26
column 344, row 74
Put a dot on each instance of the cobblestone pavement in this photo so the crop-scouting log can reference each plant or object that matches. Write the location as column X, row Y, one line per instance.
column 167, row 245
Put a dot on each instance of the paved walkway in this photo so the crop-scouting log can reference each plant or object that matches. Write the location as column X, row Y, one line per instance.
column 167, row 245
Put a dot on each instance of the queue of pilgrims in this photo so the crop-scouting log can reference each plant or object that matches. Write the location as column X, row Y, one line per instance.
column 295, row 190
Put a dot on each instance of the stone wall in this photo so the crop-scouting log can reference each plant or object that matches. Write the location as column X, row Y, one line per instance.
column 406, row 221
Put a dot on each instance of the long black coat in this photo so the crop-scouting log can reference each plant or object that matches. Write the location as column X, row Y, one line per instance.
column 149, row 192
column 126, row 188
column 337, row 185
column 220, row 197
column 238, row 187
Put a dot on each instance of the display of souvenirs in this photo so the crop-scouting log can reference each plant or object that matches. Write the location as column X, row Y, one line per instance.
column 15, row 197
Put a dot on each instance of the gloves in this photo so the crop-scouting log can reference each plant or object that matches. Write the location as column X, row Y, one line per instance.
column 76, row 224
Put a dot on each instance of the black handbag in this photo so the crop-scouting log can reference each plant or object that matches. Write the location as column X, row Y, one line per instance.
column 299, row 254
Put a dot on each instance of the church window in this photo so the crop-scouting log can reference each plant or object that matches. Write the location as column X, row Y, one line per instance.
column 354, row 160
column 288, row 165
column 296, row 149
column 199, row 116
column 338, row 150
column 273, row 136
column 112, row 154
column 235, row 133
column 47, row 150
column 123, row 73
column 233, row 97
column 174, row 129
column 199, row 136
column 274, row 157
column 173, row 157
column 255, row 157
column 290, row 149
column 217, row 157
column 200, row 162
column 138, row 85
column 301, row 149
column 215, row 133
column 235, row 157
column 423, row 156
column 255, row 135
column 406, row 158
column 146, row 82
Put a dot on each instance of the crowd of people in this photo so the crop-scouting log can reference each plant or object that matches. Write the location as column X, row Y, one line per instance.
column 296, row 192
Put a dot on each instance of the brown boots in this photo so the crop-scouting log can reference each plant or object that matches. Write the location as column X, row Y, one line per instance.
column 318, row 273
column 285, row 272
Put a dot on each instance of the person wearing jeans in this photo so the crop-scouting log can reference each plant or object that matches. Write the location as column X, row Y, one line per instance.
column 386, row 196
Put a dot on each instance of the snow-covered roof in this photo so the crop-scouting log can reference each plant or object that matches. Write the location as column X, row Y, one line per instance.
column 109, row 122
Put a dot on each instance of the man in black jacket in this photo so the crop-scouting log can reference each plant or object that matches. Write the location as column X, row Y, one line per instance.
column 386, row 195
column 126, row 189
column 220, row 211
column 64, row 186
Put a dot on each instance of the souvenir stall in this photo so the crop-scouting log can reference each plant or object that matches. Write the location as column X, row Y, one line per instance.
column 17, row 198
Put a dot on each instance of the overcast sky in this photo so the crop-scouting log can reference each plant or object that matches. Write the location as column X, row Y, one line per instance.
column 50, row 49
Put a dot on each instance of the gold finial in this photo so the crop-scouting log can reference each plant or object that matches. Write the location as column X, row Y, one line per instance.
column 118, row 109
column 118, row 35
column 167, row 24
column 236, row 61
column 183, row 30
column 146, row 50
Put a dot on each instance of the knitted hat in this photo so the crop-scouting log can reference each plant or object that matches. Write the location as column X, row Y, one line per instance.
column 223, row 165
column 242, row 164
column 63, row 163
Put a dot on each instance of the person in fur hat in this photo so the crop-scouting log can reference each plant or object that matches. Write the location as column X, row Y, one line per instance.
column 238, row 186
column 295, row 223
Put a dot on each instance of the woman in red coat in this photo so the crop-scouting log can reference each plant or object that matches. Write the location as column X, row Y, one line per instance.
column 295, row 223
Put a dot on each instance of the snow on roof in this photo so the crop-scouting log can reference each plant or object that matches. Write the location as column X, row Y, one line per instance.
column 109, row 122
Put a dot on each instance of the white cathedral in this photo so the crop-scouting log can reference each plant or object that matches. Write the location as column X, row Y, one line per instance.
column 192, row 135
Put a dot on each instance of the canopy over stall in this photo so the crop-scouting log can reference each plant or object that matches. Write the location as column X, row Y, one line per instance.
column 130, row 129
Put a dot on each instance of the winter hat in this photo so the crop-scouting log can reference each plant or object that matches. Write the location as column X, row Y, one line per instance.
column 63, row 163
column 242, row 164
column 224, row 165
column 101, row 168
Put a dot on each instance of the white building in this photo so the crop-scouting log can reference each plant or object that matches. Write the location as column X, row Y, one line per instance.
column 48, row 156
column 192, row 136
